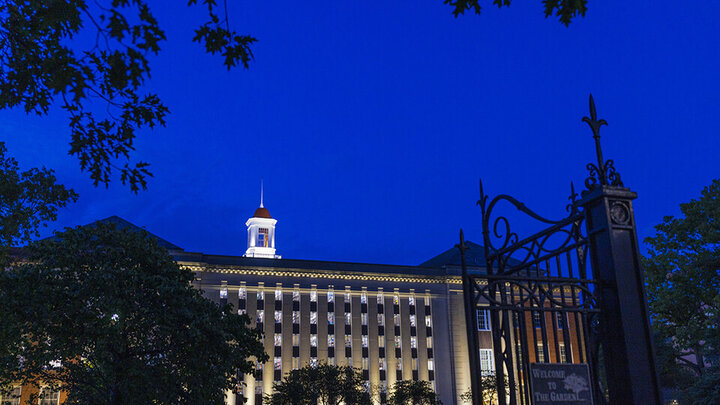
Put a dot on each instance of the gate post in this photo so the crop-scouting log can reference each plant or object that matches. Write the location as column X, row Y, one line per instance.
column 615, row 259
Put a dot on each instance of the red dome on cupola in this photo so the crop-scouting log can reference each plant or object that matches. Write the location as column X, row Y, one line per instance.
column 262, row 212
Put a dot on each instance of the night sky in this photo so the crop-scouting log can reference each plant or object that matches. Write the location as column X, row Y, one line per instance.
column 371, row 123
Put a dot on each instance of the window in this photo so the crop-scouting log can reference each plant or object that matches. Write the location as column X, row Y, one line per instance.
column 487, row 363
column 242, row 311
column 380, row 299
column 278, row 295
column 49, row 397
column 537, row 319
column 364, row 319
column 380, row 319
column 12, row 398
column 331, row 318
column 313, row 296
column 348, row 341
column 412, row 320
column 260, row 315
column 381, row 341
column 347, row 297
column 313, row 340
column 560, row 321
column 278, row 363
column 347, row 318
column 331, row 295
column 278, row 340
column 364, row 341
column 331, row 341
column 296, row 340
column 381, row 364
column 296, row 295
column 563, row 355
column 278, row 316
column 262, row 240
column 295, row 363
column 363, row 298
column 397, row 342
column 428, row 342
column 313, row 362
column 260, row 295
column 540, row 353
column 364, row 363
column 242, row 293
column 431, row 365
column 411, row 300
column 296, row 317
column 398, row 365
column 223, row 293
column 413, row 342
column 396, row 300
column 428, row 321
column 483, row 319
column 313, row 318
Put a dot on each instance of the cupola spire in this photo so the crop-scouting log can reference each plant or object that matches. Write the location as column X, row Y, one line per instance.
column 261, row 193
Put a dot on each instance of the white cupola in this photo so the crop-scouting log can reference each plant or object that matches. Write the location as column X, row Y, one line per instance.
column 261, row 233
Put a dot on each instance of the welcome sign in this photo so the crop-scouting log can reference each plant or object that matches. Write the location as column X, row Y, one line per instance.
column 560, row 383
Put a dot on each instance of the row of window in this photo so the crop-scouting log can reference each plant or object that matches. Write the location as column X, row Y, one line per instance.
column 483, row 320
column 295, row 317
column 540, row 350
column 242, row 295
column 46, row 397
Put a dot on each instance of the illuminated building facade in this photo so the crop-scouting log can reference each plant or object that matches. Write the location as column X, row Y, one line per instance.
column 391, row 322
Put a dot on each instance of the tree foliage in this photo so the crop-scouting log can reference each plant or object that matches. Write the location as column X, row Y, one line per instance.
column 100, row 86
column 488, row 386
column 322, row 384
column 28, row 200
column 682, row 271
column 107, row 315
column 565, row 10
column 412, row 392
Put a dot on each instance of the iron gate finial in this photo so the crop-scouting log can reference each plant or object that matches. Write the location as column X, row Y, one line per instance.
column 605, row 169
column 572, row 207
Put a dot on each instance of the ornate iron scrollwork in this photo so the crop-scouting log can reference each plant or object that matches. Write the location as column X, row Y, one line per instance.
column 528, row 251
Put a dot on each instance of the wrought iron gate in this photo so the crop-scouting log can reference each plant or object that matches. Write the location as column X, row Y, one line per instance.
column 547, row 305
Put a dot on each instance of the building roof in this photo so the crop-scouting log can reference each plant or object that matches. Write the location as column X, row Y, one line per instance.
column 262, row 212
column 474, row 257
column 446, row 263
column 309, row 265
column 123, row 224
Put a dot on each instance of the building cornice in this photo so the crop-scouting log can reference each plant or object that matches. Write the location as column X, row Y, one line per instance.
column 302, row 273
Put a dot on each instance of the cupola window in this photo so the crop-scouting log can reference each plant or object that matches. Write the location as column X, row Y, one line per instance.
column 262, row 237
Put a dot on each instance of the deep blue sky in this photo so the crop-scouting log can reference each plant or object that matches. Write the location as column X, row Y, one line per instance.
column 371, row 122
